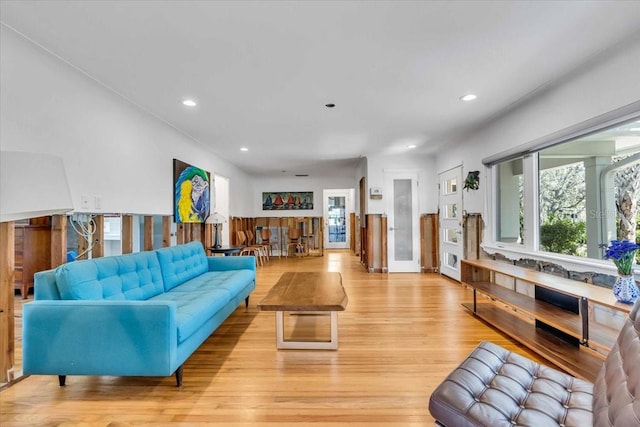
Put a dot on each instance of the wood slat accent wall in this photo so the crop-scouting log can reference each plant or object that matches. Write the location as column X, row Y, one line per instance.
column 309, row 225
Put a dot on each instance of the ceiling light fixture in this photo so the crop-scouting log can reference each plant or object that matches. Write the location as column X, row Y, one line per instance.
column 244, row 149
column 189, row 103
column 329, row 105
column 635, row 129
column 411, row 146
column 468, row 97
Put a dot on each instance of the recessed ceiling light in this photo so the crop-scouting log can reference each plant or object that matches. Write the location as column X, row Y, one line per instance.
column 410, row 146
column 329, row 105
column 189, row 103
column 244, row 149
column 468, row 97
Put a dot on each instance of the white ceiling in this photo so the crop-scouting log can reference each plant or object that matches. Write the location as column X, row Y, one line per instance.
column 263, row 71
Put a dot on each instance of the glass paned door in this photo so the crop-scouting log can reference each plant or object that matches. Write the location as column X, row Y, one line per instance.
column 337, row 208
column 403, row 228
column 451, row 222
column 337, row 219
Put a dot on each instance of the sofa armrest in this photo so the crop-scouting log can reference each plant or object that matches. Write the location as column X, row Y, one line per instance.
column 100, row 337
column 225, row 263
column 44, row 285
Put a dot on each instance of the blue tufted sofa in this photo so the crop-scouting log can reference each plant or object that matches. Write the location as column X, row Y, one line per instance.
column 140, row 314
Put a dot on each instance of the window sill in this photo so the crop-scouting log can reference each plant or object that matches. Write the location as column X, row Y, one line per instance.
column 571, row 263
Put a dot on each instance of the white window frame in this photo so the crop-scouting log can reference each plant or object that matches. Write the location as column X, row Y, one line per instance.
column 529, row 153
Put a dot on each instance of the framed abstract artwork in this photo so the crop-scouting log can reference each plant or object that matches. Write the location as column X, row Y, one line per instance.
column 287, row 200
column 191, row 193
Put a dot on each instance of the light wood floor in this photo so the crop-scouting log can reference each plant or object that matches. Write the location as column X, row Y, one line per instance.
column 399, row 337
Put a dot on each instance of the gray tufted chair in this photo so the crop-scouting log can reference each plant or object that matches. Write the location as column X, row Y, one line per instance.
column 495, row 387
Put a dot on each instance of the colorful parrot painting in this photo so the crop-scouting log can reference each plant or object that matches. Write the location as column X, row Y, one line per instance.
column 192, row 194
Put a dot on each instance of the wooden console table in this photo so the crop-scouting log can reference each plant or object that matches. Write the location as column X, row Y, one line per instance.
column 553, row 322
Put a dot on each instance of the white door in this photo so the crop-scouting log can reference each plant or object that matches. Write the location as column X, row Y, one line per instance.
column 402, row 221
column 450, row 206
column 337, row 209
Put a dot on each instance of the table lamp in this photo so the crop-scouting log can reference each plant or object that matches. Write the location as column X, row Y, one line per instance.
column 217, row 220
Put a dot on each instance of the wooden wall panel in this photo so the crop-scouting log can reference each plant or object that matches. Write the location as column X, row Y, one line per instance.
column 429, row 247
column 352, row 232
column 98, row 237
column 472, row 229
column 7, row 334
column 148, row 233
column 58, row 240
column 166, row 231
column 369, row 263
column 180, row 233
column 83, row 247
column 383, row 244
column 127, row 234
column 208, row 236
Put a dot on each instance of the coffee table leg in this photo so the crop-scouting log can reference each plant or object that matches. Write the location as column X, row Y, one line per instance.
column 281, row 343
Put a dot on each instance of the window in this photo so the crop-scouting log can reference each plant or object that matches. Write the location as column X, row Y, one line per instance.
column 510, row 200
column 587, row 190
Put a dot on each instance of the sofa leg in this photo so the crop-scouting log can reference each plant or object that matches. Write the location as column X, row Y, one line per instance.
column 179, row 376
column 246, row 302
column 61, row 380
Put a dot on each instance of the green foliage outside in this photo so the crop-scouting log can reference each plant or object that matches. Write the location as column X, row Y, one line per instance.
column 563, row 236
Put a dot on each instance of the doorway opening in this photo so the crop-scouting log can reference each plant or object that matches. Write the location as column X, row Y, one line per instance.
column 338, row 206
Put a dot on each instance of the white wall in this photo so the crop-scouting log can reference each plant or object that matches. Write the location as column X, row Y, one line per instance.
column 427, row 180
column 284, row 184
column 110, row 147
column 609, row 82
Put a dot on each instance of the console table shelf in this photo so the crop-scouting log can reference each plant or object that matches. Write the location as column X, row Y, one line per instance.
column 574, row 359
column 567, row 322
column 554, row 323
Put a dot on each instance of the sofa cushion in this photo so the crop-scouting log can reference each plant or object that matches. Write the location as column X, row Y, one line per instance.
column 181, row 263
column 124, row 277
column 200, row 298
column 233, row 281
column 194, row 308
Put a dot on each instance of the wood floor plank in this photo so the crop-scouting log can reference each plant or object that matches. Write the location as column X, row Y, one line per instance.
column 400, row 335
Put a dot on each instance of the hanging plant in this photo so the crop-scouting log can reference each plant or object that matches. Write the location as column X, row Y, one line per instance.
column 473, row 180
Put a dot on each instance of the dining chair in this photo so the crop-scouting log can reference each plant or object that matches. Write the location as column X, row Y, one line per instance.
column 265, row 236
column 295, row 241
column 264, row 249
column 249, row 249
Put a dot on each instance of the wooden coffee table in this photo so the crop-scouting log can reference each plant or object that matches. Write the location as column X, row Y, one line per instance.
column 306, row 292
